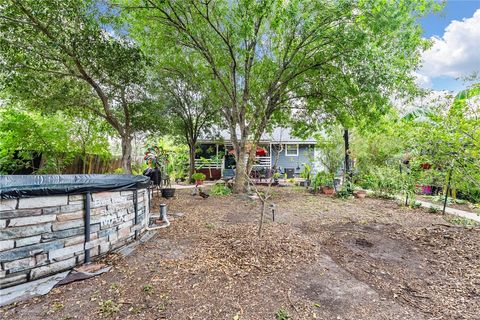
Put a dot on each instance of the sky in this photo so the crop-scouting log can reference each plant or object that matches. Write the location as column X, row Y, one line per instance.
column 455, row 53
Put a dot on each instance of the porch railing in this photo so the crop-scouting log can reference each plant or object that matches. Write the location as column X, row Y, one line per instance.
column 263, row 162
column 208, row 164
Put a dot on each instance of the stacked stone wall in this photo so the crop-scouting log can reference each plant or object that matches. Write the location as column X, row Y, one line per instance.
column 41, row 236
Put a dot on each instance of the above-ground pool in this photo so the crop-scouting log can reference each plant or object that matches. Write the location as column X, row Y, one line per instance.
column 51, row 223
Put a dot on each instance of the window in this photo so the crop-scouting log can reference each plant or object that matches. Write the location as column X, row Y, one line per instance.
column 291, row 150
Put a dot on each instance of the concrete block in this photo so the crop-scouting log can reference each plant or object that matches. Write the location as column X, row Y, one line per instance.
column 72, row 208
column 52, row 268
column 19, row 265
column 56, row 253
column 23, row 232
column 8, row 204
column 27, row 241
column 67, row 225
column 27, row 221
column 126, row 193
column 71, row 216
column 39, row 202
column 6, row 244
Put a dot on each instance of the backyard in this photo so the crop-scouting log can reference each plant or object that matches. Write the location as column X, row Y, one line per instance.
column 322, row 258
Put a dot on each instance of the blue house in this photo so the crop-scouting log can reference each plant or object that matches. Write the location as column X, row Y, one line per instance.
column 277, row 150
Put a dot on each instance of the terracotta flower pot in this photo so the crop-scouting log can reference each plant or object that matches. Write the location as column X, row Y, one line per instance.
column 360, row 194
column 328, row 190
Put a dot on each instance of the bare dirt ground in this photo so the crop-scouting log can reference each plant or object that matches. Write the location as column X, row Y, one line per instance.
column 323, row 258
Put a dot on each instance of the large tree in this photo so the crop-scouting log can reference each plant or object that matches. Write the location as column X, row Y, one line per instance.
column 267, row 57
column 188, row 107
column 68, row 53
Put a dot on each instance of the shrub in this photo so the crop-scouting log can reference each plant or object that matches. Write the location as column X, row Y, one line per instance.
column 198, row 176
column 220, row 190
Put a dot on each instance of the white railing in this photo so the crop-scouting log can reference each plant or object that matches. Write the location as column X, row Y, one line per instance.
column 263, row 162
column 208, row 164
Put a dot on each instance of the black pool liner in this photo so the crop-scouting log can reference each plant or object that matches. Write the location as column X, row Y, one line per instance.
column 27, row 186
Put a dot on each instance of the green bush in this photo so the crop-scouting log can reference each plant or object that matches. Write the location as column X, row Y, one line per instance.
column 220, row 190
column 198, row 176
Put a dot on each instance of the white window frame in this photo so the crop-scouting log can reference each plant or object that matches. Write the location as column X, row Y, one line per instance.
column 291, row 154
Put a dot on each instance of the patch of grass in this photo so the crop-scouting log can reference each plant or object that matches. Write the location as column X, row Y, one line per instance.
column 282, row 315
column 461, row 221
column 108, row 307
column 209, row 225
column 55, row 307
column 433, row 210
column 148, row 288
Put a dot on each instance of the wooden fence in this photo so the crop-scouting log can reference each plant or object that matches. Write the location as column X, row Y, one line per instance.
column 95, row 164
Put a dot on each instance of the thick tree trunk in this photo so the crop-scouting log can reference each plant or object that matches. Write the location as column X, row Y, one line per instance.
column 191, row 170
column 127, row 153
column 240, row 185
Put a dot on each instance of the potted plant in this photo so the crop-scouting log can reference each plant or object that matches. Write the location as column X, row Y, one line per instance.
column 199, row 178
column 305, row 174
column 327, row 183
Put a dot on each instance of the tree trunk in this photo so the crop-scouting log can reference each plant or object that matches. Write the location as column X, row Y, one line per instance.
column 348, row 172
column 127, row 153
column 191, row 170
column 241, row 171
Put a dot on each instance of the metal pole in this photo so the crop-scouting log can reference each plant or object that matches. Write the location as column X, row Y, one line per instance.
column 135, row 208
column 87, row 226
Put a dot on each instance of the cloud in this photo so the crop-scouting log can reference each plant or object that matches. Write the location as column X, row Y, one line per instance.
column 456, row 54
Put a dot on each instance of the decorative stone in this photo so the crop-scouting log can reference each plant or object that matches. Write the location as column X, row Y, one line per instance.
column 13, row 280
column 71, row 216
column 71, row 208
column 39, row 202
column 75, row 197
column 8, row 204
column 28, row 251
column 20, row 213
column 67, row 225
column 3, row 224
column 23, row 232
column 51, row 210
column 52, row 254
column 6, row 244
column 19, row 265
column 75, row 240
column 52, row 268
column 62, row 234
column 27, row 221
column 27, row 241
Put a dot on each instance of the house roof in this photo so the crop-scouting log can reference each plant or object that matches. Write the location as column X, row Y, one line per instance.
column 278, row 135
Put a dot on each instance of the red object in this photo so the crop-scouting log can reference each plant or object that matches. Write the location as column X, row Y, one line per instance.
column 426, row 166
column 261, row 152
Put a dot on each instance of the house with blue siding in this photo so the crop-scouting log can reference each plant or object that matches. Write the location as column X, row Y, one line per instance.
column 276, row 151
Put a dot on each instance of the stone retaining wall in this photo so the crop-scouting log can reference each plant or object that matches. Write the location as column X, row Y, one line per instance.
column 44, row 235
